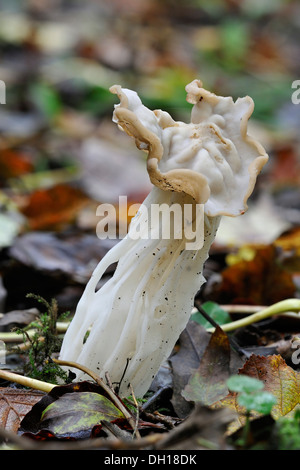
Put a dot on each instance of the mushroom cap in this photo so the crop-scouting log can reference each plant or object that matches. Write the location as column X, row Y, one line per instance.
column 212, row 158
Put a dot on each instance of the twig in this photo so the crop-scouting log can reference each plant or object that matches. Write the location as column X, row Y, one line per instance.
column 233, row 343
column 205, row 315
column 137, row 412
column 108, row 381
column 25, row 443
column 242, row 309
column 26, row 345
column 157, row 417
column 114, row 431
column 12, row 337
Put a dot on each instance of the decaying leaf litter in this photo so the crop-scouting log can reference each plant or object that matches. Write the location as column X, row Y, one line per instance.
column 50, row 190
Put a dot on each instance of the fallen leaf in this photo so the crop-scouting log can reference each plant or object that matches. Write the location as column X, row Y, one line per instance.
column 286, row 167
column 74, row 256
column 231, row 402
column 14, row 164
column 77, row 413
column 259, row 281
column 290, row 240
column 279, row 379
column 32, row 423
column 289, row 243
column 19, row 317
column 208, row 383
column 192, row 344
column 53, row 207
column 202, row 430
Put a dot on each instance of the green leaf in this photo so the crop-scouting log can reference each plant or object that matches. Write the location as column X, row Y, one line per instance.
column 97, row 101
column 235, row 42
column 252, row 396
column 215, row 312
column 261, row 401
column 46, row 99
column 244, row 384
column 77, row 412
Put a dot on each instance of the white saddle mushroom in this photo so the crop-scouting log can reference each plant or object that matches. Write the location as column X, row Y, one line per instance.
column 136, row 317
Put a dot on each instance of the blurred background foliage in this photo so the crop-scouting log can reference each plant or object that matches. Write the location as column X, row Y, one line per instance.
column 67, row 53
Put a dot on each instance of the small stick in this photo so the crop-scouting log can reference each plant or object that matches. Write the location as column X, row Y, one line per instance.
column 26, row 381
column 12, row 337
column 242, row 309
column 288, row 305
column 137, row 411
column 26, row 443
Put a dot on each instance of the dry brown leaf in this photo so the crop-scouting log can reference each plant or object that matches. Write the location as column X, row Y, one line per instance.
column 259, row 281
column 14, row 163
column 279, row 379
column 290, row 241
column 15, row 404
column 286, row 167
column 230, row 402
column 58, row 205
column 208, row 383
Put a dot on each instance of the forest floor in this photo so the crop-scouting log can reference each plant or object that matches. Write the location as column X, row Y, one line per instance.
column 61, row 156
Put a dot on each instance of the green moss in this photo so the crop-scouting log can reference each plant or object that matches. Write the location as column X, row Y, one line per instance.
column 43, row 344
